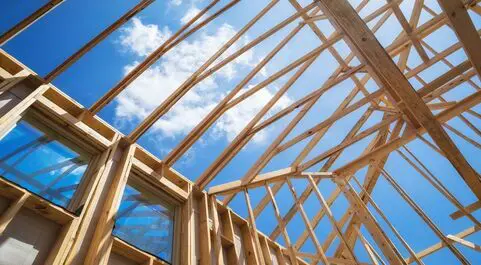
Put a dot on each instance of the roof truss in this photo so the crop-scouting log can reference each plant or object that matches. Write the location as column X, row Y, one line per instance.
column 407, row 114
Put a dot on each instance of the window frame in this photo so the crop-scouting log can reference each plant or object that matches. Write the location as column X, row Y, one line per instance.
column 65, row 137
column 147, row 182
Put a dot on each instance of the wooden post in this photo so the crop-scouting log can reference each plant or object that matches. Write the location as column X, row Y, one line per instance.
column 253, row 231
column 187, row 251
column 91, row 202
column 228, row 231
column 217, row 239
column 101, row 244
column 204, row 230
column 11, row 211
column 14, row 114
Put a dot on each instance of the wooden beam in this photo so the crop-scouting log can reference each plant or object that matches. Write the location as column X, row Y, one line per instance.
column 101, row 244
column 281, row 224
column 218, row 253
column 25, row 23
column 442, row 117
column 396, row 85
column 441, row 105
column 435, row 182
column 408, row 29
column 12, row 115
column 369, row 249
column 371, row 179
column 260, row 180
column 13, row 80
column 440, row 245
column 245, row 135
column 384, row 243
column 158, row 53
column 333, row 221
column 463, row 26
column 428, row 27
column 204, row 230
column 223, row 106
column 307, row 222
column 238, row 185
column 307, row 192
column 464, row 242
column 7, row 216
column 162, row 181
column 423, row 215
column 173, row 98
column 370, row 200
column 470, row 208
column 258, row 254
column 96, row 40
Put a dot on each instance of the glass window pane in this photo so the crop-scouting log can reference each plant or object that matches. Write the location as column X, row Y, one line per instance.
column 145, row 222
column 41, row 164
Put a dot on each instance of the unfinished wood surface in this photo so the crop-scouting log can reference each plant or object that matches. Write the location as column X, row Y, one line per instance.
column 26, row 22
column 96, row 40
column 11, row 211
column 398, row 87
column 384, row 243
column 380, row 82
column 101, row 244
column 258, row 253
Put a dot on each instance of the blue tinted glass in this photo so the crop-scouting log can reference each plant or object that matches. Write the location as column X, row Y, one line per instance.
column 41, row 164
column 145, row 223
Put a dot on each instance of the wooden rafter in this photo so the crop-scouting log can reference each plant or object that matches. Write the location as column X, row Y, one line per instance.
column 407, row 114
column 397, row 86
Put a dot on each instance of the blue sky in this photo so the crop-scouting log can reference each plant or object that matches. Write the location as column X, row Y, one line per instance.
column 53, row 38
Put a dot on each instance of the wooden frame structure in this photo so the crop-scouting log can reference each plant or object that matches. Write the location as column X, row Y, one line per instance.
column 207, row 230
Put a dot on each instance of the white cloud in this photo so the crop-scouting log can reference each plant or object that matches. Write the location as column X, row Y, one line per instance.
column 236, row 118
column 143, row 39
column 158, row 82
column 190, row 14
column 176, row 2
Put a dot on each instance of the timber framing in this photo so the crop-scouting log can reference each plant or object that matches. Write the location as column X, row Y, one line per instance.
column 391, row 108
